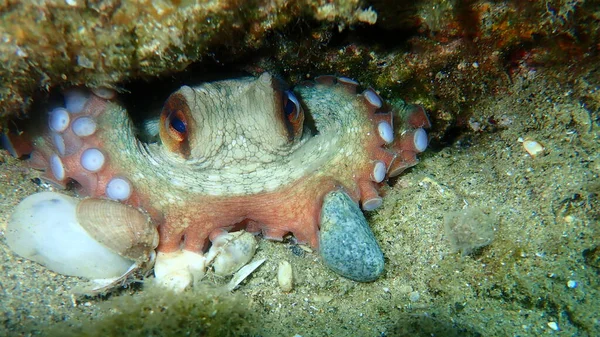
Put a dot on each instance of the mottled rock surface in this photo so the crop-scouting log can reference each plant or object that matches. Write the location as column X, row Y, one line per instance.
column 48, row 44
column 346, row 242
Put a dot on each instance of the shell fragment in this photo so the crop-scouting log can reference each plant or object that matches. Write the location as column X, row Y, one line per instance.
column 243, row 273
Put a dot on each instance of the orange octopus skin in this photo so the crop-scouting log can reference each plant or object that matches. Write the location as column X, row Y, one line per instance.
column 240, row 153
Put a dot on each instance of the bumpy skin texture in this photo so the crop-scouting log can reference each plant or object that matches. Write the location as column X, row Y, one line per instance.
column 237, row 154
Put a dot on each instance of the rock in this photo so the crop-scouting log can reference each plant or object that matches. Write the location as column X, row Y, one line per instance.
column 346, row 242
column 101, row 49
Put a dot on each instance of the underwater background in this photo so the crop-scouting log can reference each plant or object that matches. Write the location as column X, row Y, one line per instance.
column 494, row 233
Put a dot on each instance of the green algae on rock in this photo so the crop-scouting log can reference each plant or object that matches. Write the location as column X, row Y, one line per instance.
column 203, row 312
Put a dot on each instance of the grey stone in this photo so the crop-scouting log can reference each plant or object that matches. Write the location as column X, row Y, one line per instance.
column 346, row 242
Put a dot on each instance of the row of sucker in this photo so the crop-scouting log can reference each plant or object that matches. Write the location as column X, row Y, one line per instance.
column 70, row 152
column 383, row 122
column 397, row 145
column 368, row 187
column 411, row 137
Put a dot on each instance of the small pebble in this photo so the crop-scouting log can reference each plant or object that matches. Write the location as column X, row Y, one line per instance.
column 572, row 284
column 83, row 61
column 285, row 276
column 532, row 147
column 553, row 326
column 414, row 296
column 104, row 92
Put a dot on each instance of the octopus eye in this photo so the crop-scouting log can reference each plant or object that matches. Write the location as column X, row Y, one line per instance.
column 294, row 116
column 178, row 125
column 174, row 128
column 291, row 106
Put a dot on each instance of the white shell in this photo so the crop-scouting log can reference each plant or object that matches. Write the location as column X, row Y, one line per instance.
column 121, row 228
column 231, row 251
column 243, row 273
column 45, row 228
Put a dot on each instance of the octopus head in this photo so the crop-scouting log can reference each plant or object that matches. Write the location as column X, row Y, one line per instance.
column 207, row 122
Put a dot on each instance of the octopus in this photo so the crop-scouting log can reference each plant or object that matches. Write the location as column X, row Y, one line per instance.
column 241, row 154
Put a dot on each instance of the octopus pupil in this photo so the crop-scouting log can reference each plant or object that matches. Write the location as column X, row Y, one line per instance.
column 178, row 125
column 289, row 108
